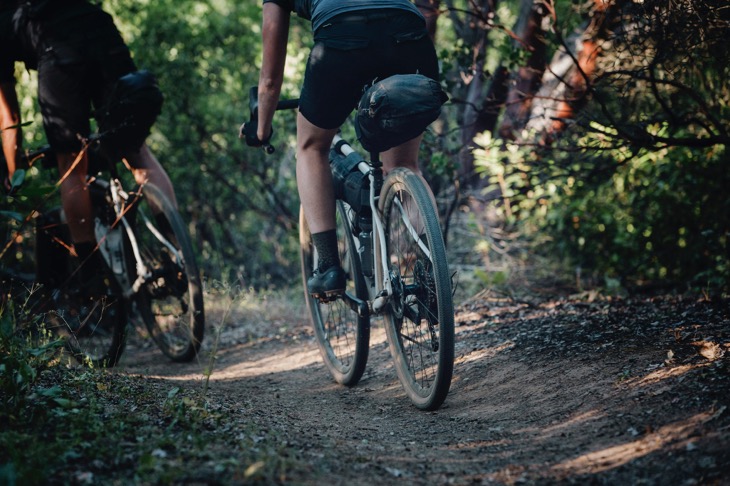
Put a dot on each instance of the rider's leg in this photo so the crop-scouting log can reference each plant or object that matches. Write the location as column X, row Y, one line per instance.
column 314, row 181
column 146, row 168
column 314, row 178
column 404, row 155
column 75, row 197
column 79, row 212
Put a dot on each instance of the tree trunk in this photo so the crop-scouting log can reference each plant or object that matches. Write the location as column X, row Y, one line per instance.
column 474, row 100
column 526, row 81
column 565, row 85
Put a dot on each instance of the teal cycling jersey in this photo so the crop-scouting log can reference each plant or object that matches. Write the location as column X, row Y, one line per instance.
column 322, row 11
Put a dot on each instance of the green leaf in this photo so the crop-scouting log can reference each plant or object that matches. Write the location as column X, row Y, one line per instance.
column 65, row 403
column 52, row 392
column 18, row 178
column 11, row 215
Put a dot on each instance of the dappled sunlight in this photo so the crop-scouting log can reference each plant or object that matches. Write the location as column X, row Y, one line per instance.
column 677, row 434
column 576, row 421
column 664, row 373
column 482, row 353
column 276, row 363
column 285, row 360
column 466, row 317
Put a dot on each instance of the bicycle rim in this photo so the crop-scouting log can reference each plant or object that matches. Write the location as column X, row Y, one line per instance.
column 170, row 300
column 342, row 336
column 419, row 317
column 94, row 329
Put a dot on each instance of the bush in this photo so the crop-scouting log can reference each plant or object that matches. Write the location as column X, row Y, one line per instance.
column 652, row 216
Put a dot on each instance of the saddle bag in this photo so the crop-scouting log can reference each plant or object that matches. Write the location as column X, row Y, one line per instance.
column 397, row 109
column 129, row 113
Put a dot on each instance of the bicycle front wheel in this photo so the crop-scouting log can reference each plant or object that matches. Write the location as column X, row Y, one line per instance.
column 170, row 297
column 419, row 317
column 94, row 328
column 342, row 335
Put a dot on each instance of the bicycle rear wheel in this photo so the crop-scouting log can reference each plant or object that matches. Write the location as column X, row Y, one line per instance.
column 419, row 317
column 170, row 299
column 342, row 335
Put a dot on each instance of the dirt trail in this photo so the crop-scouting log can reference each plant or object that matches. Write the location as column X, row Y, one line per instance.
column 563, row 391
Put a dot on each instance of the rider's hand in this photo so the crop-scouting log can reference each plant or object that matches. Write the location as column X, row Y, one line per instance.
column 248, row 131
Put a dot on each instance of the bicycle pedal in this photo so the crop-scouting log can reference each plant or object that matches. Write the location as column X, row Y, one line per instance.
column 329, row 296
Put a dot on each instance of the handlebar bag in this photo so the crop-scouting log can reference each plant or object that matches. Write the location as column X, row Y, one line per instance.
column 397, row 109
column 130, row 111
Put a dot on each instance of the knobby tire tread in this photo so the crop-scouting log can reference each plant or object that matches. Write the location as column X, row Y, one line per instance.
column 194, row 318
column 344, row 344
column 432, row 396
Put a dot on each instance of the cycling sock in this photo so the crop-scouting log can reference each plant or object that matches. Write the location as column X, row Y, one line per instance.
column 84, row 249
column 326, row 244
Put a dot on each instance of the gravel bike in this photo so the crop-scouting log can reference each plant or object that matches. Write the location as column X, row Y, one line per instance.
column 149, row 254
column 392, row 250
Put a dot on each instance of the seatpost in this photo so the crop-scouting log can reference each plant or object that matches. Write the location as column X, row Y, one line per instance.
column 377, row 165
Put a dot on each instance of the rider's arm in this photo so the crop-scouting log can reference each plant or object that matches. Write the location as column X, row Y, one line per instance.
column 10, row 117
column 275, row 35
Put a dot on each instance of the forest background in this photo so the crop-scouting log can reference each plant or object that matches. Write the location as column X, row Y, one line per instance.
column 584, row 144
column 589, row 136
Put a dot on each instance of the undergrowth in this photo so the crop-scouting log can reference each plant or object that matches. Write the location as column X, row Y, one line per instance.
column 64, row 424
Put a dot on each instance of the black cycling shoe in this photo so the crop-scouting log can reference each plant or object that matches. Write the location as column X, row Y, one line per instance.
column 327, row 285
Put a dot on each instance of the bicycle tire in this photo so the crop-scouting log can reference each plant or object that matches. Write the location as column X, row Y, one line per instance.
column 94, row 329
column 343, row 337
column 419, row 317
column 170, row 301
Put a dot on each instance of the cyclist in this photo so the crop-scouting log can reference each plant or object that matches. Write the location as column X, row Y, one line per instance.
column 79, row 55
column 355, row 43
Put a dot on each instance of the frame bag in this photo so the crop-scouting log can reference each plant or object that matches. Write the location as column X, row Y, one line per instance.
column 397, row 109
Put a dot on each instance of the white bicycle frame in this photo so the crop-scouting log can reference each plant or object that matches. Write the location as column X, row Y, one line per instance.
column 119, row 196
column 383, row 288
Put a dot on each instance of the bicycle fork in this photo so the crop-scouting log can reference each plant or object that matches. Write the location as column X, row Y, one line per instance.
column 112, row 247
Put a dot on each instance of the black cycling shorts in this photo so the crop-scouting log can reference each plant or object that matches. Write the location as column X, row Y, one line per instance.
column 76, row 75
column 352, row 51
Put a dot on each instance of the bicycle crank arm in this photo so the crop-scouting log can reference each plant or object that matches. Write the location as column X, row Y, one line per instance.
column 357, row 305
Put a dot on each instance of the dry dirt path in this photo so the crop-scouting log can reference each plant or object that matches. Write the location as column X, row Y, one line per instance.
column 628, row 391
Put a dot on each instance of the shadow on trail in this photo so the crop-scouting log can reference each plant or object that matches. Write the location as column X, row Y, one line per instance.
column 609, row 392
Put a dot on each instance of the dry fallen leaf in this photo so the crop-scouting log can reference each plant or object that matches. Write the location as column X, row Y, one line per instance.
column 709, row 350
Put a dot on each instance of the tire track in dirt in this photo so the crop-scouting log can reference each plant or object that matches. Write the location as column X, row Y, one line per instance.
column 557, row 392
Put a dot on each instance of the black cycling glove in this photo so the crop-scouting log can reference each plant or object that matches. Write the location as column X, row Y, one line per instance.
column 248, row 131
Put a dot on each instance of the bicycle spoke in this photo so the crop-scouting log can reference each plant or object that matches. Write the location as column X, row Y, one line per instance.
column 170, row 297
column 342, row 334
column 419, row 317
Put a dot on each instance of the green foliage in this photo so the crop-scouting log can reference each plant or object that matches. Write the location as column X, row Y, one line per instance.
column 649, row 216
column 72, row 425
column 32, row 191
column 634, row 188
column 25, row 350
column 241, row 206
column 84, row 426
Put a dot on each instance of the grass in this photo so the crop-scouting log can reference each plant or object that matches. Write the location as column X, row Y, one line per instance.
column 62, row 424
column 76, row 427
